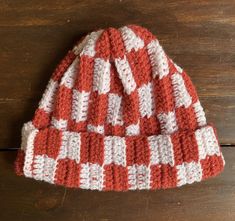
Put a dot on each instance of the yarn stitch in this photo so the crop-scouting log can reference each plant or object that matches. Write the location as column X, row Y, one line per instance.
column 119, row 114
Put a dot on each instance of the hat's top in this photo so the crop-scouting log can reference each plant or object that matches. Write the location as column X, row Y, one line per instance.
column 118, row 82
column 119, row 114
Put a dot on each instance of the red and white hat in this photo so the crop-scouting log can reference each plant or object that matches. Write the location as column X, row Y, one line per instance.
column 119, row 114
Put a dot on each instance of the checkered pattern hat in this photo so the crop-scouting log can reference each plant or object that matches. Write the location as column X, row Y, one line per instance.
column 119, row 114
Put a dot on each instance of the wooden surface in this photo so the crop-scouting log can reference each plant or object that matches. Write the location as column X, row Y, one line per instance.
column 26, row 200
column 34, row 37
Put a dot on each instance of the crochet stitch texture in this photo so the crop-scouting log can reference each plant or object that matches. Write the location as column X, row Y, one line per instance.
column 119, row 114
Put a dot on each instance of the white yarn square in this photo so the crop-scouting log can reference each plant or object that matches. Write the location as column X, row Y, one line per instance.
column 44, row 168
column 207, row 142
column 59, row 124
column 158, row 59
column 200, row 114
column 98, row 129
column 188, row 173
column 130, row 39
column 168, row 122
column 138, row 177
column 89, row 45
column 182, row 97
column 101, row 77
column 80, row 105
column 133, row 129
column 146, row 100
column 114, row 114
column 161, row 150
column 115, row 150
column 71, row 146
column 91, row 176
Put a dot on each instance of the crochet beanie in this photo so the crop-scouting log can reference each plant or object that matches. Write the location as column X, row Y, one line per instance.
column 119, row 114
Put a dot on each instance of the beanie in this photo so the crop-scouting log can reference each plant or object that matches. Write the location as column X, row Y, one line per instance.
column 118, row 114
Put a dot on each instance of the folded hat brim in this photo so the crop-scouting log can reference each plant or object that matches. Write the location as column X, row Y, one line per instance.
column 88, row 160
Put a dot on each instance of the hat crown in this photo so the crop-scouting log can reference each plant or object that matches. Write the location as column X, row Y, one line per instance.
column 117, row 82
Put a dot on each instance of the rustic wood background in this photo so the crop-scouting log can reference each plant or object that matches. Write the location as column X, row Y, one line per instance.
column 34, row 37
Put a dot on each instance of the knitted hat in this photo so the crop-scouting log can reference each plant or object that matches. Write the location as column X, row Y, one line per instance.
column 119, row 114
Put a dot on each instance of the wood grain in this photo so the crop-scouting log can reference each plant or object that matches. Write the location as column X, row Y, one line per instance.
column 28, row 199
column 35, row 35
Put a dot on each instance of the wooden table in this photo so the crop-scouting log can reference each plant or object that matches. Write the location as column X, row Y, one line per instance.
column 35, row 35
